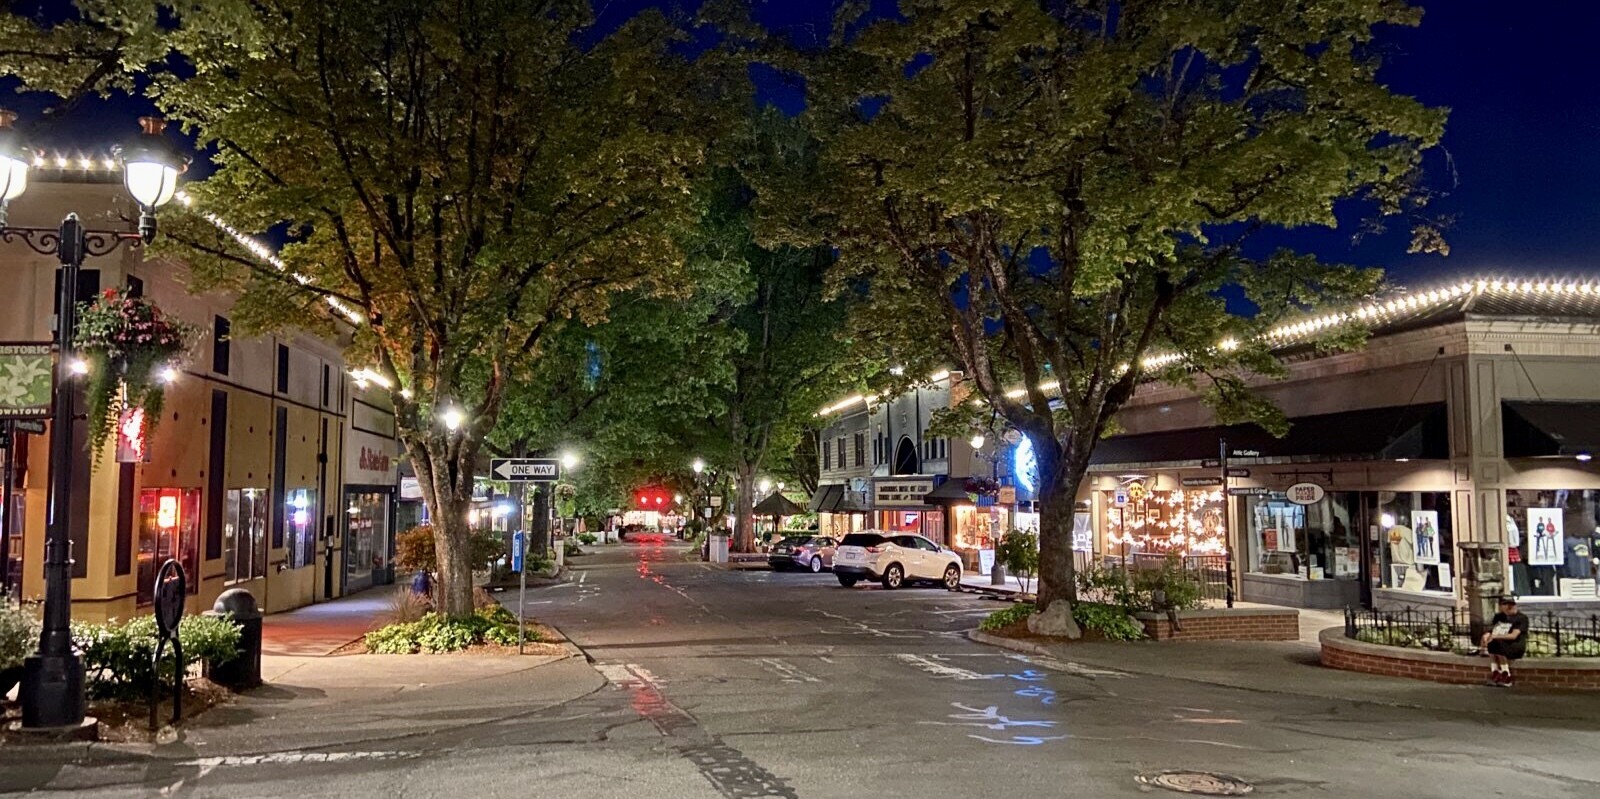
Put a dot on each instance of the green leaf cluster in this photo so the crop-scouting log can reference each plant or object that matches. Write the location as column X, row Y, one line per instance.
column 435, row 633
column 117, row 655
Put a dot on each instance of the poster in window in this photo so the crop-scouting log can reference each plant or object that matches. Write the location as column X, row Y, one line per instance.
column 1082, row 534
column 1425, row 532
column 1546, row 539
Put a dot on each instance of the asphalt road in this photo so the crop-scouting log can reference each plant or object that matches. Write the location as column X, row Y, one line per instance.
column 716, row 683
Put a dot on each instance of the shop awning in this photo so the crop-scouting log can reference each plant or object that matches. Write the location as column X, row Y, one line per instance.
column 1404, row 431
column 953, row 489
column 1548, row 429
column 777, row 505
column 836, row 499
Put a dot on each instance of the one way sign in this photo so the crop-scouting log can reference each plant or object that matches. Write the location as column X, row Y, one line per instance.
column 526, row 470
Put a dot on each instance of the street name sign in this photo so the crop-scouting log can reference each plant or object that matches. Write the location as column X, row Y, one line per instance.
column 30, row 426
column 1249, row 491
column 525, row 470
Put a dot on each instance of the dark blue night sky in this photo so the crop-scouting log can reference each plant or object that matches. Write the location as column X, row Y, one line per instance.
column 1523, row 140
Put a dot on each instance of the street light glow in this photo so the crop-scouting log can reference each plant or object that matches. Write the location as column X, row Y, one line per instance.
column 452, row 418
column 78, row 366
column 766, row 485
column 977, row 440
column 569, row 460
column 168, row 375
column 699, row 466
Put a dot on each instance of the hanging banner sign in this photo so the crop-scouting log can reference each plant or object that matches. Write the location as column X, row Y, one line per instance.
column 27, row 375
column 1305, row 493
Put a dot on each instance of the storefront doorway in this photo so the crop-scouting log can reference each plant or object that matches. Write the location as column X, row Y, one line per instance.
column 368, row 533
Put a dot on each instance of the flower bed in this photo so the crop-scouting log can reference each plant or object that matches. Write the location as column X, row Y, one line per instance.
column 1351, row 654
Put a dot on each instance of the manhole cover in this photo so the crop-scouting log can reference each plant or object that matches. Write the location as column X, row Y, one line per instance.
column 1198, row 782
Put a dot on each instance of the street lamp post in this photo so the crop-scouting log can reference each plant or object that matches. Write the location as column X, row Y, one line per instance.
column 52, row 679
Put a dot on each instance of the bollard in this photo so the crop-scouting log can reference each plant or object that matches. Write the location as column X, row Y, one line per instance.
column 243, row 671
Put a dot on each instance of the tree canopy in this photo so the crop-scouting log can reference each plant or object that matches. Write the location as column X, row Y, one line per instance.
column 468, row 177
column 1052, row 197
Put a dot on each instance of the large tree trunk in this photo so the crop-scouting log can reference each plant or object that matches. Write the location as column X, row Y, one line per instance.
column 1058, row 584
column 447, row 490
column 744, row 533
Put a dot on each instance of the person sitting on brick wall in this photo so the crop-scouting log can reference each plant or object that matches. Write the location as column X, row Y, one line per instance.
column 1506, row 641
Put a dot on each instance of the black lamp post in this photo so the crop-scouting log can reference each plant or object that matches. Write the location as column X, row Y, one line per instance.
column 52, row 679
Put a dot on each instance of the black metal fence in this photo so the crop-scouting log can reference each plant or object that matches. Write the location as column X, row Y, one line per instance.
column 1210, row 572
column 1550, row 634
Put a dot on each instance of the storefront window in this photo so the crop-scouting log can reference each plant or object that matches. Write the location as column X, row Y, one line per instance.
column 169, row 528
column 244, row 534
column 302, row 522
column 367, row 545
column 1551, row 538
column 1185, row 521
column 1416, row 545
column 980, row 528
column 1315, row 541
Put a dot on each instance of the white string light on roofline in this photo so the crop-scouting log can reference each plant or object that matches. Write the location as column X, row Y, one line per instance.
column 265, row 254
column 1286, row 333
column 871, row 398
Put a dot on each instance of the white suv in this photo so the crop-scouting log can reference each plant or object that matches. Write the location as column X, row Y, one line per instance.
column 895, row 559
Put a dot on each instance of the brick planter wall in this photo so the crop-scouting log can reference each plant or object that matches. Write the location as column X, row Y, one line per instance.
column 1349, row 654
column 1235, row 624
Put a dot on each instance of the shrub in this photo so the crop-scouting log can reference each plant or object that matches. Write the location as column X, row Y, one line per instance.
column 1112, row 622
column 406, row 607
column 414, row 549
column 587, row 539
column 1019, row 553
column 434, row 633
column 19, row 634
column 116, row 657
column 570, row 547
column 1005, row 617
column 1135, row 589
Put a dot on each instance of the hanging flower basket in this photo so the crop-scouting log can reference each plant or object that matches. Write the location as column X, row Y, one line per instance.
column 127, row 343
column 981, row 487
column 566, row 500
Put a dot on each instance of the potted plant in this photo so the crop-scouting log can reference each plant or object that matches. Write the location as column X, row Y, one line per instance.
column 19, row 636
column 132, row 350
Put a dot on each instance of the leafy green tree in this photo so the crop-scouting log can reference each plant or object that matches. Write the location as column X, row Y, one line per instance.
column 791, row 353
column 466, row 178
column 1050, row 197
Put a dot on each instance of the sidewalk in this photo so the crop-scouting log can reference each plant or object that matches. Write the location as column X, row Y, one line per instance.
column 1292, row 668
column 321, row 629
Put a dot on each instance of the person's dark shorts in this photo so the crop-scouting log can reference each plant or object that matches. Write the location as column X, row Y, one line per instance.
column 1510, row 650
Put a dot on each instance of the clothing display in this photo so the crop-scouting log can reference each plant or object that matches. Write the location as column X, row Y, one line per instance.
column 1579, row 562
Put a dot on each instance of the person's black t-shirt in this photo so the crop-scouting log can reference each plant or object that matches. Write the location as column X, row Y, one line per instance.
column 1517, row 621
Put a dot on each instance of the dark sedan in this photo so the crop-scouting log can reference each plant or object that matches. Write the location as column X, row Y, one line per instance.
column 810, row 552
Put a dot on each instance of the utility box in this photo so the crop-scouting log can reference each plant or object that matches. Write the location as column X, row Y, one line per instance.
column 719, row 549
column 1483, row 582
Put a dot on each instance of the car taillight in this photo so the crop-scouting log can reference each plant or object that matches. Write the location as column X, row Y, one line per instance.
column 875, row 549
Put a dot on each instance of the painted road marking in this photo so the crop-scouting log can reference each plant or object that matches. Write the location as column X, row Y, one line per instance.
column 788, row 672
column 939, row 669
column 1077, row 669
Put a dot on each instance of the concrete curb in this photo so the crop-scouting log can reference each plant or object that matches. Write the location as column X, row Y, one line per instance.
column 1026, row 647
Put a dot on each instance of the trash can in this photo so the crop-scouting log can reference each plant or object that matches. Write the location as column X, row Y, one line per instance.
column 1483, row 582
column 243, row 671
column 719, row 549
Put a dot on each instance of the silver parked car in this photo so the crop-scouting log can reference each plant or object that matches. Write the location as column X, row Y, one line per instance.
column 810, row 552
